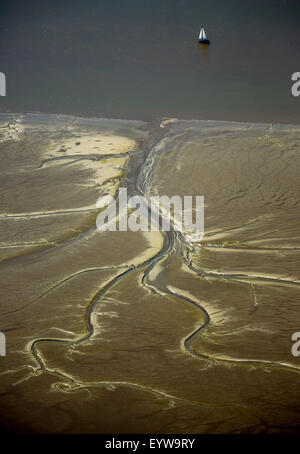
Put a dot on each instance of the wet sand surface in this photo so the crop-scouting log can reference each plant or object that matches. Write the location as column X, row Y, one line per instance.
column 148, row 332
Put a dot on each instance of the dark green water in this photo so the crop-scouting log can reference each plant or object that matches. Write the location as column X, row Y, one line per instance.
column 140, row 59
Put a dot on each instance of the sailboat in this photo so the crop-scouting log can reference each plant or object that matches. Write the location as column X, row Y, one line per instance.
column 202, row 37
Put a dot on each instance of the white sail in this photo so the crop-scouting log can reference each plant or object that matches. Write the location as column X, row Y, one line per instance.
column 202, row 34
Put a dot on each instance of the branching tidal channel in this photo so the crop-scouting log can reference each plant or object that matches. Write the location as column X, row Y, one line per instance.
column 140, row 172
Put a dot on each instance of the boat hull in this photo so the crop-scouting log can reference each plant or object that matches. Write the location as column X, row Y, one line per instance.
column 203, row 41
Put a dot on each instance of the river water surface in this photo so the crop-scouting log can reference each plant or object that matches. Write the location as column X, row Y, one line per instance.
column 140, row 59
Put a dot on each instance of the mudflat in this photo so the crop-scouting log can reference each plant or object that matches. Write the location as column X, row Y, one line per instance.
column 148, row 332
